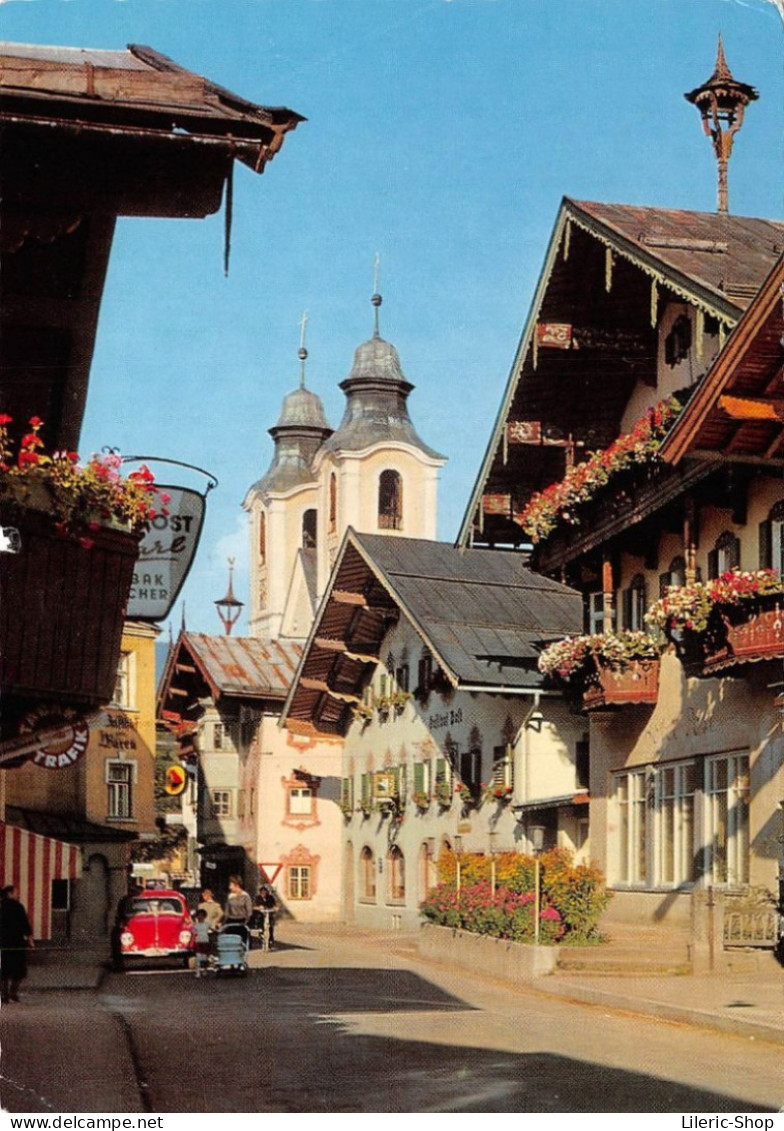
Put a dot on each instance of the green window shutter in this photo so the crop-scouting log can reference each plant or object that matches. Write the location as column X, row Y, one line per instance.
column 419, row 777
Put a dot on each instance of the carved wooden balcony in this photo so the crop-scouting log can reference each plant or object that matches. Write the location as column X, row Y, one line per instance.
column 637, row 682
column 747, row 639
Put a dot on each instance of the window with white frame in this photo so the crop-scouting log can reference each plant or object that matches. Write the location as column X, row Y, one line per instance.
column 727, row 818
column 124, row 688
column 119, row 790
column 631, row 799
column 299, row 886
column 725, row 555
column 300, row 800
column 221, row 802
column 674, row 817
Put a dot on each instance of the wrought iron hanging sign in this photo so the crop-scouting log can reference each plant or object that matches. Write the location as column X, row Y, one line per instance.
column 168, row 546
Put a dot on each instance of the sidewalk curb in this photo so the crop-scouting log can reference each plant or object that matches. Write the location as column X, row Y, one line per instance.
column 665, row 1011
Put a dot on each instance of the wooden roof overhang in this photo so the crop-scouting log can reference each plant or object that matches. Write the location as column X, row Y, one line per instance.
column 86, row 137
column 591, row 336
column 738, row 410
column 343, row 649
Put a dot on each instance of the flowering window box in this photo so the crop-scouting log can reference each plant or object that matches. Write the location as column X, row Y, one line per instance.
column 758, row 636
column 65, row 583
column 62, row 609
column 638, row 682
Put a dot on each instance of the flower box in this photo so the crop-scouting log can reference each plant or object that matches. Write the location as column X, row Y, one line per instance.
column 638, row 682
column 62, row 604
column 759, row 636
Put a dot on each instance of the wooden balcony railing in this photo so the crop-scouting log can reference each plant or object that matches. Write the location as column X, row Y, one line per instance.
column 638, row 682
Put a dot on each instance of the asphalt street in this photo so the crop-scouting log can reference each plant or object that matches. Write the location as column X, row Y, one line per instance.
column 360, row 1032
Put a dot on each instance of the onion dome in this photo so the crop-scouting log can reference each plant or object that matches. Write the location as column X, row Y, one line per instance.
column 301, row 430
column 376, row 394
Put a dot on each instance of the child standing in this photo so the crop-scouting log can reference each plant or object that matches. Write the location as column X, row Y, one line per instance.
column 202, row 936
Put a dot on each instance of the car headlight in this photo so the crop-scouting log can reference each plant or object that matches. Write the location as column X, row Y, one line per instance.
column 185, row 938
column 127, row 939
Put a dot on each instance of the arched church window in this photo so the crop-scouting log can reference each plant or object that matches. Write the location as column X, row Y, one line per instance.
column 333, row 503
column 263, row 537
column 309, row 529
column 390, row 500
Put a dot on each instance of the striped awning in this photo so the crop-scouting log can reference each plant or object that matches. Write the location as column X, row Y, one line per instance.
column 31, row 862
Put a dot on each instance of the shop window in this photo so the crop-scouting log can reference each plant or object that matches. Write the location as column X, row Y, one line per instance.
column 727, row 799
column 674, row 818
column 631, row 799
column 119, row 787
column 390, row 501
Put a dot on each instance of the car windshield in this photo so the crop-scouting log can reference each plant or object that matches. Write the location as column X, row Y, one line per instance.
column 156, row 907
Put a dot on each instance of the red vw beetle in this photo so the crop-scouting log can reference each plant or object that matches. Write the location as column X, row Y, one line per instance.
column 153, row 925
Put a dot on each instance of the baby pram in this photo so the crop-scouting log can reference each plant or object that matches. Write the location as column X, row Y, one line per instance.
column 231, row 949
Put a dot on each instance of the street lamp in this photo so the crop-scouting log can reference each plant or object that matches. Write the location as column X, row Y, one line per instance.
column 536, row 835
column 229, row 608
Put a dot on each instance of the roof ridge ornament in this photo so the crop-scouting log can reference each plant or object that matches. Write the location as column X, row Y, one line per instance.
column 721, row 102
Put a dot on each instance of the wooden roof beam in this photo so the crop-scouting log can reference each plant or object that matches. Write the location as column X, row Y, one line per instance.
column 320, row 685
column 753, row 408
column 341, row 647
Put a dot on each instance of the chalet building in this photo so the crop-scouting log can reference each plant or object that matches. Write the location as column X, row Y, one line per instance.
column 87, row 136
column 424, row 657
column 266, row 800
column 638, row 450
column 259, row 799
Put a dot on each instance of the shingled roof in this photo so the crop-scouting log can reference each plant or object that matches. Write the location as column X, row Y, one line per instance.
column 230, row 667
column 483, row 616
column 609, row 270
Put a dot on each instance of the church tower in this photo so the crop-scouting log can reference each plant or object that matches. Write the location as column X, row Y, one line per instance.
column 374, row 474
column 284, row 510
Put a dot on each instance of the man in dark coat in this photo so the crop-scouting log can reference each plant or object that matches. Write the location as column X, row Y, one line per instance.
column 16, row 935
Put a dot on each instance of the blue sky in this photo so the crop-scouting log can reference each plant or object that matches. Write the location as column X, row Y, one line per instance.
column 440, row 134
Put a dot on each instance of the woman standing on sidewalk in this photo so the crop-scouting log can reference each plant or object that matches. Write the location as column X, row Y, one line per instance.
column 16, row 935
